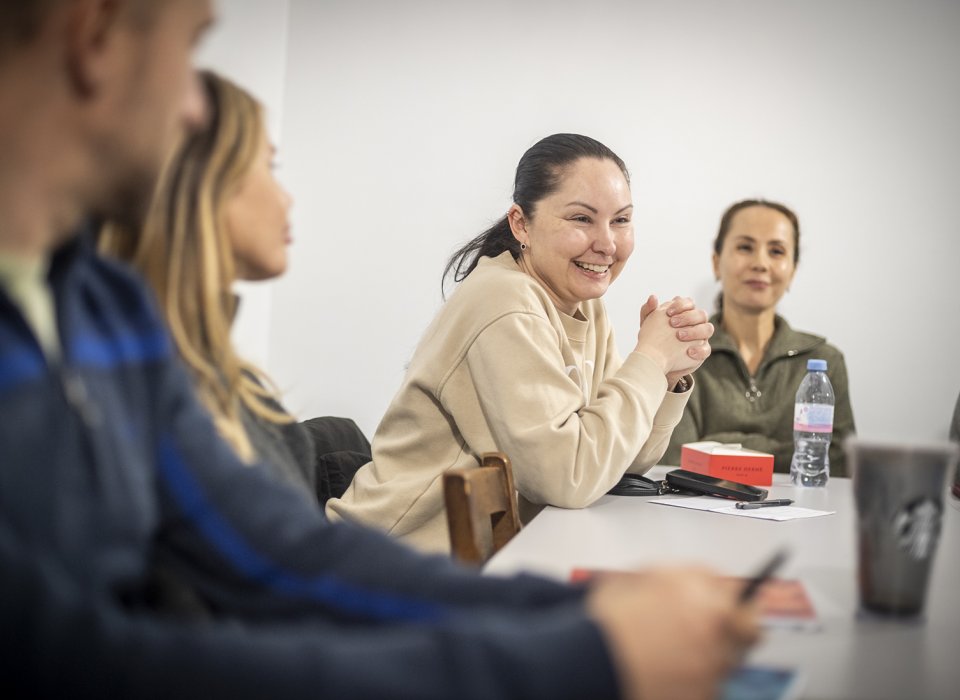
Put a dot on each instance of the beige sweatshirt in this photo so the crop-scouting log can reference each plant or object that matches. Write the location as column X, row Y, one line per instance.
column 500, row 368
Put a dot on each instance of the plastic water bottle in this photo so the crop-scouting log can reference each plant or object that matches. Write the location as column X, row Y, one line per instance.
column 812, row 427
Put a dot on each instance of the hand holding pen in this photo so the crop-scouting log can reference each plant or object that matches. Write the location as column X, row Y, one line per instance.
column 750, row 505
column 763, row 575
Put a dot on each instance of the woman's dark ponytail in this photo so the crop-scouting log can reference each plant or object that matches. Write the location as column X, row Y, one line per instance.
column 490, row 243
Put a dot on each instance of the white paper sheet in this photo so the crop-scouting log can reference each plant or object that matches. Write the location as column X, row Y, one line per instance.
column 726, row 507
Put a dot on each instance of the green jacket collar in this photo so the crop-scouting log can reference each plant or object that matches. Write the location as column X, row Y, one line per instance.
column 785, row 342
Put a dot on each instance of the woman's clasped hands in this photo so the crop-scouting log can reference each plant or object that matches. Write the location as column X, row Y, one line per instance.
column 675, row 335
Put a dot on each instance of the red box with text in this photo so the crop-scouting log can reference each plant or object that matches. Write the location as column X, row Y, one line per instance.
column 732, row 462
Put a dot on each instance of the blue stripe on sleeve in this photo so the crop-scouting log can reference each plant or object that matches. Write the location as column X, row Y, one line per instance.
column 326, row 589
column 130, row 348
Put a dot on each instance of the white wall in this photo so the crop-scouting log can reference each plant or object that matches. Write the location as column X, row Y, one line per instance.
column 402, row 124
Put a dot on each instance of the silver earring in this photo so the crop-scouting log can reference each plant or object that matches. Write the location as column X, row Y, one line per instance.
column 523, row 246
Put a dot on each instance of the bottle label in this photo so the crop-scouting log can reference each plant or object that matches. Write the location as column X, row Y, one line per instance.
column 813, row 418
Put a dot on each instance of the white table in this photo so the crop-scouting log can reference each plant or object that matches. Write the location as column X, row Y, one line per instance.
column 851, row 656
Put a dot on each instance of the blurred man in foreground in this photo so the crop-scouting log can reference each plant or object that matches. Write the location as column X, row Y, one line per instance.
column 109, row 466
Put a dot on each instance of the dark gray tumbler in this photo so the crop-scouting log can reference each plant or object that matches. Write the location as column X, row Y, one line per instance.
column 899, row 492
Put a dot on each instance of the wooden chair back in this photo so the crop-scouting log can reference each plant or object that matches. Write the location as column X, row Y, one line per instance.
column 482, row 512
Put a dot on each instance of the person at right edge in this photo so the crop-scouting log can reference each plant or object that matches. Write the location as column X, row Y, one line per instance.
column 955, row 436
column 747, row 387
column 955, row 423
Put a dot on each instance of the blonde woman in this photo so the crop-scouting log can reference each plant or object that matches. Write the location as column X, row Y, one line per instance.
column 220, row 215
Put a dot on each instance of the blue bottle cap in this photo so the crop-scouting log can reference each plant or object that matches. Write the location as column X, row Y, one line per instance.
column 818, row 365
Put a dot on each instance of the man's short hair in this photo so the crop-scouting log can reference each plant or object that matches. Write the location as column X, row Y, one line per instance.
column 21, row 19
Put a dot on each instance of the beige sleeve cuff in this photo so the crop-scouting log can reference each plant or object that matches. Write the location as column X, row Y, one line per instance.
column 665, row 420
column 642, row 372
column 671, row 410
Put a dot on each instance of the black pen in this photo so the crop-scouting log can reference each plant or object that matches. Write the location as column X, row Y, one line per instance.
column 762, row 576
column 750, row 505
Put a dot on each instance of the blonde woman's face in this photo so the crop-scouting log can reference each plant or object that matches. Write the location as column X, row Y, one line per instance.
column 256, row 219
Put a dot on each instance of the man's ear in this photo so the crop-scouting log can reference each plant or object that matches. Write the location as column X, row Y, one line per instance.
column 518, row 223
column 91, row 31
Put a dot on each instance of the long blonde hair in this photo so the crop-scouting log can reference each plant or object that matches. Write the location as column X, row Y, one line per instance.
column 185, row 254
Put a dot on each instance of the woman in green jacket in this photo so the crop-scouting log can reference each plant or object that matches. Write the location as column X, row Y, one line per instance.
column 746, row 388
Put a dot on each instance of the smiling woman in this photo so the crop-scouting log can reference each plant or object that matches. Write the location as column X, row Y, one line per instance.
column 522, row 357
column 748, row 385
column 573, row 248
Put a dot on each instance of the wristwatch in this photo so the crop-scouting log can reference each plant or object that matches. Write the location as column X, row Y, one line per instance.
column 683, row 385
